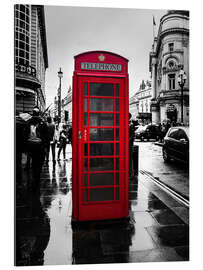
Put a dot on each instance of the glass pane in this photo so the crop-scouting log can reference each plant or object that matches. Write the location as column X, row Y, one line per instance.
column 85, row 104
column 86, row 195
column 101, row 149
column 117, row 105
column 101, row 89
column 85, row 119
column 85, row 89
column 117, row 163
column 101, row 194
column 117, row 193
column 117, row 134
column 101, row 134
column 86, row 179
column 86, row 164
column 117, row 178
column 101, row 104
column 117, row 119
column 101, row 119
column 101, row 164
column 117, row 149
column 117, row 90
column 86, row 149
column 101, row 179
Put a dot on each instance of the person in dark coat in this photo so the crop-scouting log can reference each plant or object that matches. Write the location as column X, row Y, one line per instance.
column 51, row 141
column 131, row 141
column 20, row 129
column 36, row 142
column 62, row 142
column 70, row 135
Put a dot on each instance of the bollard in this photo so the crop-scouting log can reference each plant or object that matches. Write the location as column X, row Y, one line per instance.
column 135, row 158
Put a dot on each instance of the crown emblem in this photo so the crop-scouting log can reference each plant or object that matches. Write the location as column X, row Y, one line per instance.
column 101, row 57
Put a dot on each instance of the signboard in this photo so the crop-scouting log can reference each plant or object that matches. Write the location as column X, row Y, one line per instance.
column 101, row 66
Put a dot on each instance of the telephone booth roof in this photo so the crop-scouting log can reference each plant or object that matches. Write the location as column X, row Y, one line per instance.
column 101, row 62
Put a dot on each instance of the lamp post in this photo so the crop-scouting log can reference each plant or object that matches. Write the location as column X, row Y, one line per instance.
column 181, row 80
column 60, row 75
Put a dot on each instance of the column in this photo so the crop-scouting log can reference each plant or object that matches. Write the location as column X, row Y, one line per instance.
column 154, row 78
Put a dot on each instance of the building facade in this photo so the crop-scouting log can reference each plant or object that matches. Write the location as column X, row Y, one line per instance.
column 140, row 103
column 66, row 107
column 170, row 55
column 134, row 106
column 31, row 60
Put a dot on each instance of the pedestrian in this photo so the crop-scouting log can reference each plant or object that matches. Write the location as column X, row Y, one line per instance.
column 163, row 130
column 36, row 140
column 62, row 142
column 70, row 135
column 131, row 141
column 160, row 132
column 20, row 129
column 51, row 142
column 168, row 125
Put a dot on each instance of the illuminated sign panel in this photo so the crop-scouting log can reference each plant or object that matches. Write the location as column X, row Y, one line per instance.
column 101, row 66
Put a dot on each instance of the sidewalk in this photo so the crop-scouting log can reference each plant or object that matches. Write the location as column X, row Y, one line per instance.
column 157, row 231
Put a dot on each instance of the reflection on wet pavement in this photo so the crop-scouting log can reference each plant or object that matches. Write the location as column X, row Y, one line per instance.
column 157, row 230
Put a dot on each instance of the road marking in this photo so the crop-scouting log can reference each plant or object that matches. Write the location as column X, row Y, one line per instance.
column 168, row 190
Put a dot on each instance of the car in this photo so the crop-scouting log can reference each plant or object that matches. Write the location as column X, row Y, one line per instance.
column 150, row 131
column 176, row 144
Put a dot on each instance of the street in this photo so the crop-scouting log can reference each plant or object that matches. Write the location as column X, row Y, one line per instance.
column 158, row 229
column 173, row 174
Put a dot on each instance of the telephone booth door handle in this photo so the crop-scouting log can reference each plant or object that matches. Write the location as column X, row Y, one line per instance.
column 79, row 134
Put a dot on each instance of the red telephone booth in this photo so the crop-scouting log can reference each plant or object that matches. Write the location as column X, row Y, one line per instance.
column 100, row 136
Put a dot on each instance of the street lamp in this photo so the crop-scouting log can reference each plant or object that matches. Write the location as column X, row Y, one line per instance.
column 181, row 81
column 60, row 75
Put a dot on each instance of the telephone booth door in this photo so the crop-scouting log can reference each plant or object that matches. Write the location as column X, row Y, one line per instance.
column 101, row 185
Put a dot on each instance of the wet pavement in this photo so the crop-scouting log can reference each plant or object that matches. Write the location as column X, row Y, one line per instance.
column 158, row 229
column 174, row 174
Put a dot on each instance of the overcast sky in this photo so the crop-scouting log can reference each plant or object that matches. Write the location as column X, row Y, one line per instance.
column 73, row 30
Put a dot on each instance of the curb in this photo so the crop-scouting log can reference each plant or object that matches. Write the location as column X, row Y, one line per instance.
column 159, row 144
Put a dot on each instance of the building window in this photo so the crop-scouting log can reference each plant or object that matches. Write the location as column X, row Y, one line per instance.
column 171, row 64
column 146, row 104
column 171, row 47
column 22, row 34
column 171, row 81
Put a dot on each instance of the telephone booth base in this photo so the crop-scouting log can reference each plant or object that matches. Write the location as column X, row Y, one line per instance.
column 77, row 224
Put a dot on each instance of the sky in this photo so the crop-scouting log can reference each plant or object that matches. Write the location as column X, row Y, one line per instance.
column 73, row 30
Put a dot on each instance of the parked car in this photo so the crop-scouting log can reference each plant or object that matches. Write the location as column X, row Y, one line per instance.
column 148, row 132
column 176, row 144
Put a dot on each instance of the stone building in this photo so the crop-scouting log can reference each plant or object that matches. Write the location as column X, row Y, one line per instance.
column 31, row 60
column 169, row 55
column 140, row 103
column 134, row 106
